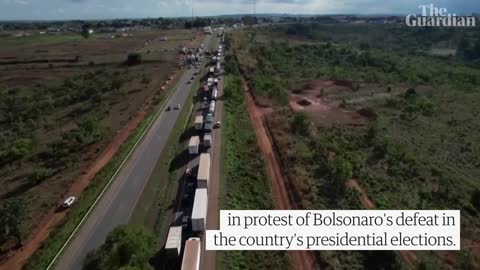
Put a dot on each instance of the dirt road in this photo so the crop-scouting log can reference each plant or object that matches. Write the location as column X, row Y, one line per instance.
column 302, row 260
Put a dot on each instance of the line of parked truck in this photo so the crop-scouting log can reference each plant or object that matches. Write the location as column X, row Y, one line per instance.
column 198, row 149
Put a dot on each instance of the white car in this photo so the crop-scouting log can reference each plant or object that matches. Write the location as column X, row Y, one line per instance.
column 177, row 107
column 218, row 124
column 68, row 202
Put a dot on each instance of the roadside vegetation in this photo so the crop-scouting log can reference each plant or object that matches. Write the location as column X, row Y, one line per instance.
column 398, row 121
column 245, row 180
column 62, row 103
column 126, row 247
column 42, row 258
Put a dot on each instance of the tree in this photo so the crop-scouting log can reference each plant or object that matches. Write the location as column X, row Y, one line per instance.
column 12, row 212
column 300, row 123
column 476, row 199
column 134, row 59
column 86, row 30
column 38, row 175
column 126, row 247
column 21, row 148
column 341, row 171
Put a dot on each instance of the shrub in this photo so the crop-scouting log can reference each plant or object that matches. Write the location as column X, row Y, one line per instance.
column 39, row 175
column 134, row 59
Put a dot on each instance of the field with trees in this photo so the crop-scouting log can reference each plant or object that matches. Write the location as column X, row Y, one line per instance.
column 372, row 116
column 63, row 99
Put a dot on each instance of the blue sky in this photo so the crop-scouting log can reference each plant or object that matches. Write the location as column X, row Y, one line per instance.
column 107, row 9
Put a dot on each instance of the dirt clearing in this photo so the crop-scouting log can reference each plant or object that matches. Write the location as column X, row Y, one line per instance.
column 323, row 112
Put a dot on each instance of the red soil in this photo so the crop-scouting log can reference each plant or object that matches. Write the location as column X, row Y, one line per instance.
column 364, row 199
column 302, row 260
column 322, row 112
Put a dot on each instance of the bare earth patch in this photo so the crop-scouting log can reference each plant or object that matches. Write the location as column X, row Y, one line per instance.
column 323, row 112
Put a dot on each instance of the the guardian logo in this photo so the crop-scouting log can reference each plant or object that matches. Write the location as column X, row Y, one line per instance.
column 437, row 17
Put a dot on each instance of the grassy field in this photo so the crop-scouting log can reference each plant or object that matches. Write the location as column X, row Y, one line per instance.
column 244, row 183
column 400, row 122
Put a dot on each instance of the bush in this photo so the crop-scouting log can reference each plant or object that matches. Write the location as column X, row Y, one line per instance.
column 134, row 59
column 38, row 175
column 125, row 246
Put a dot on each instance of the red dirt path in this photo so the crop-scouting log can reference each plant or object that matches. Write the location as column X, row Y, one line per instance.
column 302, row 260
column 407, row 256
column 51, row 220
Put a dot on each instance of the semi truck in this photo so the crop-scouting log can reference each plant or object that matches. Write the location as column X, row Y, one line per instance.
column 203, row 176
column 173, row 245
column 199, row 211
column 199, row 122
column 211, row 109
column 192, row 255
column 193, row 145
column 207, row 140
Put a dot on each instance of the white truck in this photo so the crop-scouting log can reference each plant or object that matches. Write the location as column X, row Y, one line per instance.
column 199, row 122
column 211, row 109
column 192, row 255
column 173, row 245
column 199, row 211
column 193, row 145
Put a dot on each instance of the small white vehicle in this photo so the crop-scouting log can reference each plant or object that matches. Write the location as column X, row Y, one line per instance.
column 177, row 107
column 218, row 124
column 68, row 202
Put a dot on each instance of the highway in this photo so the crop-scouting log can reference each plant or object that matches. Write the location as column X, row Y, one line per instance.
column 118, row 202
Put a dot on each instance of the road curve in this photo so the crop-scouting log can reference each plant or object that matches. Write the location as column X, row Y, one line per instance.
column 118, row 202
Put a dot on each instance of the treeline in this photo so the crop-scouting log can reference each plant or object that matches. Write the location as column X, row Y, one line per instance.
column 396, row 38
column 280, row 68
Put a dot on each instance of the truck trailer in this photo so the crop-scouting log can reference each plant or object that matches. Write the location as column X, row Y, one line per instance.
column 199, row 211
column 192, row 255
column 193, row 145
column 211, row 109
column 207, row 140
column 214, row 93
column 199, row 122
column 203, row 176
column 173, row 245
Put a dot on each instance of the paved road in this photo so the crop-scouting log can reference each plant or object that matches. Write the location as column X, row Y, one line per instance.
column 119, row 201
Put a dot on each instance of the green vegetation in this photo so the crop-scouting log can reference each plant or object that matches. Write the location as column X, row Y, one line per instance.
column 280, row 67
column 417, row 147
column 11, row 215
column 46, row 128
column 125, row 248
column 246, row 186
column 134, row 59
column 43, row 257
